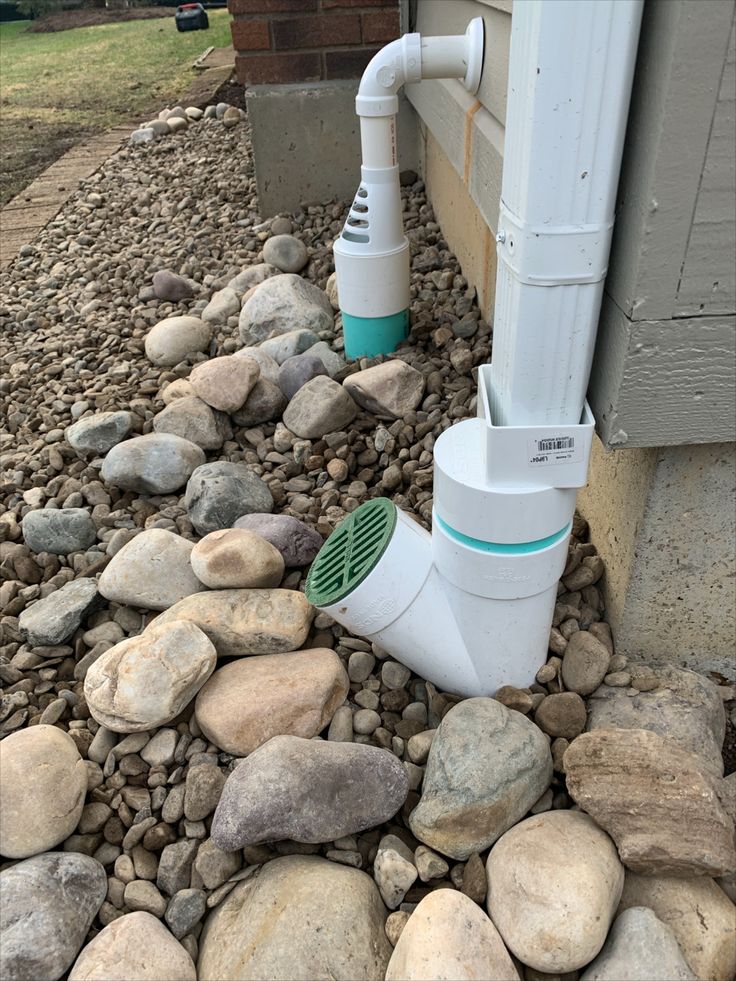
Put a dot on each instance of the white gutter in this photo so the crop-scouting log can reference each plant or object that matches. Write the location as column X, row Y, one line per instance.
column 470, row 607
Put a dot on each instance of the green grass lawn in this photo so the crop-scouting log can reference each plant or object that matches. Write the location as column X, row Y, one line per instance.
column 57, row 88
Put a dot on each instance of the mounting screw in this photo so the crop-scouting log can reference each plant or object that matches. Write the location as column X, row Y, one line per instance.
column 500, row 237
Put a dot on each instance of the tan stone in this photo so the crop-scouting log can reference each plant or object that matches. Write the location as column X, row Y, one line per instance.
column 248, row 701
column 699, row 913
column 235, row 558
column 247, row 621
column 660, row 803
column 173, row 339
column 152, row 571
column 135, row 947
column 449, row 936
column 554, row 882
column 179, row 388
column 43, row 782
column 389, row 390
column 225, row 383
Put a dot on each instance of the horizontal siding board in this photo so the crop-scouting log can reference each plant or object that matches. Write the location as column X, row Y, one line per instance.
column 486, row 165
column 442, row 106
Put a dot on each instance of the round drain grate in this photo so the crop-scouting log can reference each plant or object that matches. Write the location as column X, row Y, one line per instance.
column 351, row 552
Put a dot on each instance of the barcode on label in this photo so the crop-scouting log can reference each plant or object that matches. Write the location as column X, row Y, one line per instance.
column 561, row 443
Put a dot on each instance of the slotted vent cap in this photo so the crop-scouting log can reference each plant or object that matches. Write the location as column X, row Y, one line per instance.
column 351, row 552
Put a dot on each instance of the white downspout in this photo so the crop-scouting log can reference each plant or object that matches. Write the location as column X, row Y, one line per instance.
column 470, row 607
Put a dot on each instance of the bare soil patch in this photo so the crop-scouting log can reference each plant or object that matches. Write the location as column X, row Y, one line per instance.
column 69, row 19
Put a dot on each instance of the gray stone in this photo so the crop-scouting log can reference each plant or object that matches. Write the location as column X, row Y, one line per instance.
column 309, row 791
column 282, row 303
column 53, row 619
column 288, row 345
column 215, row 866
column 143, row 895
column 219, row 493
column 146, row 135
column 287, row 253
column 47, row 905
column 487, row 766
column 321, row 406
column 269, row 367
column 159, row 751
column 170, row 287
column 224, row 303
column 192, row 419
column 252, row 276
column 389, row 390
column 185, row 910
column 175, row 866
column 60, row 531
column 394, row 870
column 584, row 663
column 641, row 948
column 99, row 433
column 685, row 707
column 158, row 463
column 172, row 340
column 334, row 363
column 330, row 925
column 297, row 371
column 295, row 540
column 562, row 714
column 225, row 383
column 203, row 791
column 151, row 572
column 265, row 403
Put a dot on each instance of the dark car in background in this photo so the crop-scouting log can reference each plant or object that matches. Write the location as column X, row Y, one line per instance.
column 191, row 17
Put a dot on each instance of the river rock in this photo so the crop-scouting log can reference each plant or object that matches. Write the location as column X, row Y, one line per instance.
column 333, row 361
column 179, row 388
column 487, row 766
column 59, row 530
column 134, row 947
column 554, row 882
column 584, row 663
column 639, row 947
column 224, row 303
column 171, row 288
column 330, row 925
column 287, row 253
column 701, row 916
column 219, row 493
column 663, row 808
column 685, row 707
column 295, row 540
column 252, row 276
column 269, row 367
column 151, row 571
column 234, row 558
column 319, row 407
column 47, row 905
column 175, row 338
column 562, row 715
column 158, row 463
column 282, row 303
column 225, row 383
column 288, row 345
column 309, row 791
column 145, row 681
column 250, row 700
column 389, row 390
column 265, row 403
column 394, row 870
column 192, row 419
column 54, row 619
column 43, row 782
column 449, row 936
column 99, row 433
column 247, row 621
column 297, row 371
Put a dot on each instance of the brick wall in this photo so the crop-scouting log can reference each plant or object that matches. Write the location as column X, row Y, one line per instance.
column 280, row 41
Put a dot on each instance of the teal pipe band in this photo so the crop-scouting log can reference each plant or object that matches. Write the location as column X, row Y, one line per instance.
column 365, row 337
column 498, row 548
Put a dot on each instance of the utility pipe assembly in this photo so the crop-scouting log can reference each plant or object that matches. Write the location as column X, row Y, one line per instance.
column 470, row 606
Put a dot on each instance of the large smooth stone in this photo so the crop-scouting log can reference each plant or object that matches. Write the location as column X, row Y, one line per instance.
column 247, row 621
column 248, row 701
column 145, row 681
column 295, row 372
column 308, row 790
column 297, row 542
column 234, row 558
column 151, row 571
column 54, row 619
column 252, row 276
column 297, row 919
column 219, row 493
column 224, row 303
column 135, row 947
column 282, row 303
column 265, row 403
column 554, row 882
column 662, row 806
column 192, row 419
column 225, row 383
column 584, row 663
column 389, row 390
column 170, row 287
column 175, row 338
column 449, row 936
column 269, row 368
column 286, row 252
column 487, row 766
column 686, row 707
column 158, row 463
column 59, row 530
column 639, row 948
column 288, row 345
column 43, row 782
column 47, row 905
column 699, row 913
column 99, row 433
column 320, row 406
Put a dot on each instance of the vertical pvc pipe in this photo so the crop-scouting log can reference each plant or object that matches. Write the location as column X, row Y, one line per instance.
column 570, row 78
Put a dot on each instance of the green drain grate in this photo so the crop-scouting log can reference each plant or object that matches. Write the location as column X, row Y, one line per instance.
column 351, row 552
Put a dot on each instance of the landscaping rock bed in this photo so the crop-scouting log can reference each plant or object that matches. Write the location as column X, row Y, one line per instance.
column 202, row 777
